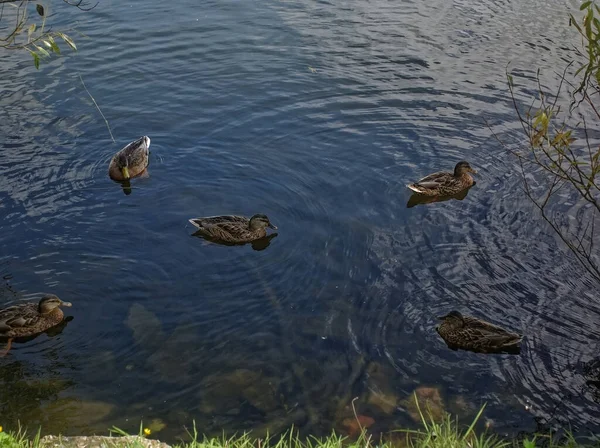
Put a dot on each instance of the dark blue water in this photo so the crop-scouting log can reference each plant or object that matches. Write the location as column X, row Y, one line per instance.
column 317, row 114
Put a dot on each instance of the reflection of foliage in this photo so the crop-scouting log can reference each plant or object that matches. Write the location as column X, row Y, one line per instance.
column 560, row 163
column 591, row 372
column 19, row 30
column 21, row 393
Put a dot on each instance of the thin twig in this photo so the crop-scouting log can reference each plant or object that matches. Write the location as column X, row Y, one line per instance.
column 98, row 107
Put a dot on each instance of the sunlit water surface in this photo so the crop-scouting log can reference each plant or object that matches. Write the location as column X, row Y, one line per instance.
column 317, row 114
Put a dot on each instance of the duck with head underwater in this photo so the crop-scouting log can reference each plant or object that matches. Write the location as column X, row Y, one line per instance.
column 469, row 333
column 29, row 319
column 445, row 184
column 233, row 229
column 131, row 161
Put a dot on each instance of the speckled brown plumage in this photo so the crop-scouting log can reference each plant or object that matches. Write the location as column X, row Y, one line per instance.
column 233, row 229
column 469, row 333
column 134, row 157
column 445, row 184
column 29, row 319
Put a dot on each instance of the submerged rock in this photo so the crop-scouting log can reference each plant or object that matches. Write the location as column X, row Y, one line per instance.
column 428, row 400
column 381, row 393
column 170, row 359
column 146, row 327
column 71, row 413
column 99, row 442
column 229, row 391
column 386, row 401
column 355, row 425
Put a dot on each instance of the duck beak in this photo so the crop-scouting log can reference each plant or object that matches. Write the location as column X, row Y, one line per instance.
column 272, row 226
column 125, row 172
column 472, row 171
column 67, row 304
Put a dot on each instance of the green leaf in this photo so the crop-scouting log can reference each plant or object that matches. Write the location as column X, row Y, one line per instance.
column 510, row 80
column 36, row 60
column 40, row 9
column 54, row 45
column 585, row 5
column 68, row 40
column 42, row 50
column 31, row 29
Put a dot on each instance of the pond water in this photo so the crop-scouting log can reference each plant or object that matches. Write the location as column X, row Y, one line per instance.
column 316, row 113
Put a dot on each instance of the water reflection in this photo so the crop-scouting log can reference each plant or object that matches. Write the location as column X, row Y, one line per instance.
column 126, row 185
column 258, row 245
column 591, row 372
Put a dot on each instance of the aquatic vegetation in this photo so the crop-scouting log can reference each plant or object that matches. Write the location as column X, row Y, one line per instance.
column 445, row 184
column 233, row 229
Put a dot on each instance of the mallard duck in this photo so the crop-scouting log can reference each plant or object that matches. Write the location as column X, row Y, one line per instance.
column 131, row 161
column 233, row 229
column 29, row 319
column 445, row 184
column 469, row 333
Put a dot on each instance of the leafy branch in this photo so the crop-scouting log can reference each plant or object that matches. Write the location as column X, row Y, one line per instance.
column 559, row 155
column 22, row 33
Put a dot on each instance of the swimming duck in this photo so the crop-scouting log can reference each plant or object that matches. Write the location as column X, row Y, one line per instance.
column 131, row 161
column 233, row 229
column 29, row 319
column 469, row 333
column 445, row 184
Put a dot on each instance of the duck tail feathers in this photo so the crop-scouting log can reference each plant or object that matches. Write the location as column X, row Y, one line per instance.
column 515, row 340
column 415, row 188
column 195, row 222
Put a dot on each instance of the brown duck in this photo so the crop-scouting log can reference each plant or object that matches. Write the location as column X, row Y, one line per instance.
column 445, row 184
column 469, row 333
column 233, row 229
column 131, row 161
column 29, row 319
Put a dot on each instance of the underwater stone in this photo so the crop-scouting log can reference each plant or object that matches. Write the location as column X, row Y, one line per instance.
column 146, row 327
column 429, row 401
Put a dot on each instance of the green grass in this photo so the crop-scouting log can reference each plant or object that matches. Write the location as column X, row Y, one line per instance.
column 443, row 434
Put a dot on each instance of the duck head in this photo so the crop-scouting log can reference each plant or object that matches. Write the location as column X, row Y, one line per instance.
column 260, row 221
column 123, row 164
column 50, row 302
column 454, row 319
column 463, row 167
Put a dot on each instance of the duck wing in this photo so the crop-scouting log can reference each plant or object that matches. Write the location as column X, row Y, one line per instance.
column 435, row 180
column 18, row 316
column 136, row 147
column 485, row 327
column 216, row 220
column 228, row 232
column 489, row 337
